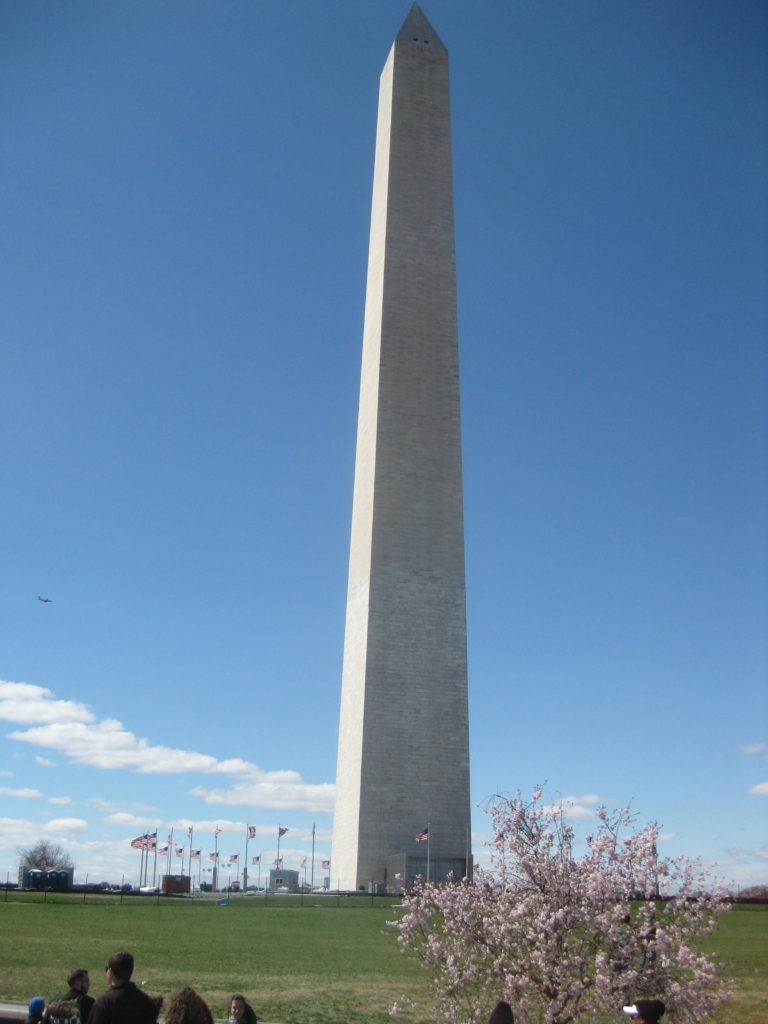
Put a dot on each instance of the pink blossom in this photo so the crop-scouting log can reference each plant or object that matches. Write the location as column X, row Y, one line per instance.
column 566, row 939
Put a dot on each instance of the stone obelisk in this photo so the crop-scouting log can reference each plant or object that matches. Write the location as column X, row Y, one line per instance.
column 403, row 760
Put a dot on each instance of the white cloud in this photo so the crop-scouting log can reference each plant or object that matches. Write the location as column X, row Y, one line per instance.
column 46, row 762
column 228, row 827
column 24, row 703
column 268, row 793
column 124, row 819
column 67, row 825
column 71, row 730
column 107, row 744
column 743, row 853
column 21, row 832
column 101, row 804
column 742, row 866
column 60, row 800
column 6, row 774
column 761, row 789
column 753, row 748
column 110, row 806
column 22, row 793
column 577, row 808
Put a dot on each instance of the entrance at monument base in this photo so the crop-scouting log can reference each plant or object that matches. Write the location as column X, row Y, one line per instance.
column 403, row 869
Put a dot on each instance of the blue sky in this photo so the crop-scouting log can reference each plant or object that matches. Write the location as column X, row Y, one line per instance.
column 185, row 203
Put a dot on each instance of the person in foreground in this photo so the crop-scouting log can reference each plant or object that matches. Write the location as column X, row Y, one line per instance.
column 79, row 983
column 502, row 1014
column 240, row 1011
column 36, row 1009
column 187, row 1007
column 123, row 1003
column 645, row 1011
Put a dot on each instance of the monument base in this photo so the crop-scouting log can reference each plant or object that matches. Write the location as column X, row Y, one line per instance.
column 404, row 868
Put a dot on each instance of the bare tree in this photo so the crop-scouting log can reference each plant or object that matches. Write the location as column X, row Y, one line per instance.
column 46, row 856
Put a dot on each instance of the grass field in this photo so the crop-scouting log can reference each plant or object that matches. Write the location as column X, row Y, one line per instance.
column 297, row 962
column 741, row 944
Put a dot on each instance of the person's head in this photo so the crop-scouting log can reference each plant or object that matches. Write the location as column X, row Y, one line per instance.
column 502, row 1014
column 79, row 980
column 241, row 1009
column 647, row 1011
column 119, row 967
column 237, row 1005
column 36, row 1006
column 187, row 1007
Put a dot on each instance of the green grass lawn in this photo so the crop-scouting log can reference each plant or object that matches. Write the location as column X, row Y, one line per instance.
column 327, row 963
column 740, row 942
column 314, row 964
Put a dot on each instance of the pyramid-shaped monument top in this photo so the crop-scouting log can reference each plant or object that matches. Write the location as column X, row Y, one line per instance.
column 417, row 29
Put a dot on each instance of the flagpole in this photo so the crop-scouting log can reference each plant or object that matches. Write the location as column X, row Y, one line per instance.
column 245, row 863
column 154, row 862
column 168, row 861
column 429, row 835
column 312, row 876
column 279, row 833
column 216, row 858
column 190, row 833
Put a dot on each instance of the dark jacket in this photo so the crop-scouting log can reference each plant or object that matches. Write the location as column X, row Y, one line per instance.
column 124, row 1003
column 84, row 1002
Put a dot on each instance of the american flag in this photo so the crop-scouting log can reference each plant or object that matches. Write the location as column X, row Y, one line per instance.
column 189, row 832
column 170, row 838
column 281, row 830
column 423, row 836
column 162, row 851
column 139, row 843
column 152, row 841
column 194, row 854
column 256, row 860
column 217, row 832
column 278, row 862
column 326, row 864
column 233, row 858
column 213, row 856
column 179, row 851
column 303, row 863
column 251, row 831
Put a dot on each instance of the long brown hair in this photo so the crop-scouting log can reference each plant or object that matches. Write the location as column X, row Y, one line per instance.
column 187, row 1007
column 249, row 1017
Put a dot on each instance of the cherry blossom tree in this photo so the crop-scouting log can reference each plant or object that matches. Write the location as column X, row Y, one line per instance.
column 566, row 938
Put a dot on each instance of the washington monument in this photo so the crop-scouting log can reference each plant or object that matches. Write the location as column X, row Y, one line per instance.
column 403, row 760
